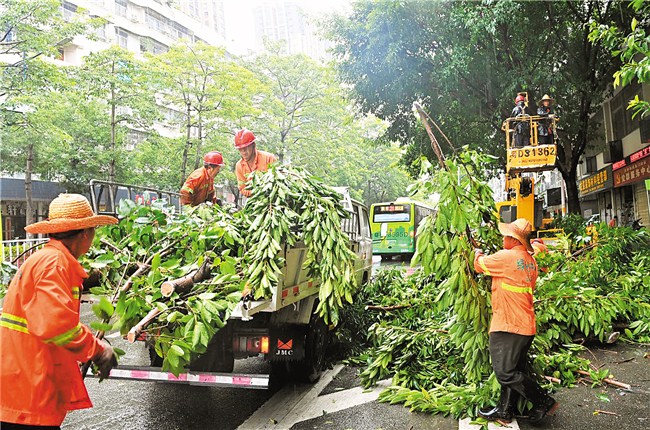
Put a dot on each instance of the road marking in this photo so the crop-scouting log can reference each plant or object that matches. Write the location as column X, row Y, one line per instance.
column 297, row 403
column 464, row 424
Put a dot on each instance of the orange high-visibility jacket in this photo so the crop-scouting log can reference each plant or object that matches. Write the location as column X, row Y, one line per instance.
column 42, row 340
column 243, row 169
column 514, row 273
column 198, row 188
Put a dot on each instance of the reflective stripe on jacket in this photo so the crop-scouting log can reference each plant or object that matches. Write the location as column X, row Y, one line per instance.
column 198, row 188
column 514, row 273
column 42, row 341
column 243, row 169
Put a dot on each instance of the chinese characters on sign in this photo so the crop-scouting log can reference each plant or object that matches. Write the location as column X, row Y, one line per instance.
column 632, row 173
column 632, row 158
column 601, row 180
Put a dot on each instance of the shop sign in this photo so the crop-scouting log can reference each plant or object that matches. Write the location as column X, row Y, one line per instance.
column 601, row 180
column 632, row 158
column 632, row 173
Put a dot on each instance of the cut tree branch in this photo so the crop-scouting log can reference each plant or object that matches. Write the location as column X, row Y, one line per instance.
column 608, row 381
column 135, row 331
column 186, row 283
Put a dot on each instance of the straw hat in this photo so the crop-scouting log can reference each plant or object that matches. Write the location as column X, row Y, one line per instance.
column 69, row 212
column 520, row 229
column 546, row 97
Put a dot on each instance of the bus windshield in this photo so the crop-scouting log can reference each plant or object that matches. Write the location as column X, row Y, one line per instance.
column 392, row 213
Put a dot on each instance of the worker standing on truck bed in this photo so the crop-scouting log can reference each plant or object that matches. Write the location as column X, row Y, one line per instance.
column 41, row 338
column 199, row 186
column 252, row 159
column 512, row 330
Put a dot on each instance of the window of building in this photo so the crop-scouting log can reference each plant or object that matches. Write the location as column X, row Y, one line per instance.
column 147, row 44
column 135, row 137
column 591, row 165
column 122, row 37
column 622, row 121
column 10, row 36
column 68, row 10
column 120, row 7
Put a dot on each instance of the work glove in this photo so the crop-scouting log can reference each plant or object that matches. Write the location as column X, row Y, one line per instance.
column 105, row 361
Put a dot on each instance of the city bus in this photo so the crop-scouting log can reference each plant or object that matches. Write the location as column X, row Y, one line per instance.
column 394, row 224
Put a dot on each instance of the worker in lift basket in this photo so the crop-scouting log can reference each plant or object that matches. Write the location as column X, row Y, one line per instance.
column 512, row 329
column 41, row 338
column 199, row 186
column 252, row 159
column 521, row 129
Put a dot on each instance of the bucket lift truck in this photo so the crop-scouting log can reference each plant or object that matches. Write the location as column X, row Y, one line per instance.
column 522, row 160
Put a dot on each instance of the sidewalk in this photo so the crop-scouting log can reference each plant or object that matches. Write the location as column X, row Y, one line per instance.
column 582, row 407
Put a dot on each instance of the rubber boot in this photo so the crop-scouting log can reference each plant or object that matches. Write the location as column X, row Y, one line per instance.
column 502, row 411
column 543, row 404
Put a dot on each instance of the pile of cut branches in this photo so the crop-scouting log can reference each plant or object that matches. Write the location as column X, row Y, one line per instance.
column 429, row 331
column 179, row 276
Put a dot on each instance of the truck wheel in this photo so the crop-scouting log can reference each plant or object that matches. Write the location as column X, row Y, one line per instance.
column 219, row 356
column 154, row 358
column 311, row 367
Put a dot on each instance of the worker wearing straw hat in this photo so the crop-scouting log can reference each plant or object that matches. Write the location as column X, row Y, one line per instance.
column 41, row 338
column 512, row 330
column 545, row 126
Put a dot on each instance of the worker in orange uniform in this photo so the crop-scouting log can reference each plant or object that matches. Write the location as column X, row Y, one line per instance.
column 41, row 338
column 199, row 186
column 514, row 272
column 613, row 222
column 252, row 159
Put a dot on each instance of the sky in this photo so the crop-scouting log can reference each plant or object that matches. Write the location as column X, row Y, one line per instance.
column 240, row 34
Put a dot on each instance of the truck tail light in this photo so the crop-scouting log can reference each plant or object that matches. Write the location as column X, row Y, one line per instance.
column 264, row 345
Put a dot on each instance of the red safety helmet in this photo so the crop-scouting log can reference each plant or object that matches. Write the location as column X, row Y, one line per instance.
column 520, row 98
column 213, row 157
column 243, row 138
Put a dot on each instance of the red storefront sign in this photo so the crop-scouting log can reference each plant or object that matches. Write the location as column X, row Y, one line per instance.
column 632, row 158
column 632, row 173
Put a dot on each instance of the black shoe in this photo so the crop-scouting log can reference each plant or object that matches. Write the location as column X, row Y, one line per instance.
column 547, row 407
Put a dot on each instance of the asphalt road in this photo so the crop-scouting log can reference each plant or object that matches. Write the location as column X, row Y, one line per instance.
column 124, row 404
column 335, row 404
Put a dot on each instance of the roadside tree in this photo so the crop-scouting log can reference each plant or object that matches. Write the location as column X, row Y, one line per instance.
column 466, row 61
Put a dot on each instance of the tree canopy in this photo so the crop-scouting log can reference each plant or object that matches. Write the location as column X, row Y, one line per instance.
column 466, row 61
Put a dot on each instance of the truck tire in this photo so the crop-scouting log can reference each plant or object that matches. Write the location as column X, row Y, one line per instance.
column 154, row 358
column 219, row 356
column 311, row 367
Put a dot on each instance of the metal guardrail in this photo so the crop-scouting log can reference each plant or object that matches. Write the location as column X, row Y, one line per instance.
column 16, row 251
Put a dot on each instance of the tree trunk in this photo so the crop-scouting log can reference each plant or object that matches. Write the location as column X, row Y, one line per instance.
column 199, row 147
column 188, row 144
column 29, row 219
column 111, row 164
column 573, row 199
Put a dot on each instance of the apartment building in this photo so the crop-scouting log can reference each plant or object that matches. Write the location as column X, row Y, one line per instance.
column 137, row 25
column 614, row 172
column 144, row 25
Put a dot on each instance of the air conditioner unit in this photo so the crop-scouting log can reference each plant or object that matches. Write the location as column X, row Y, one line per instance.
column 135, row 18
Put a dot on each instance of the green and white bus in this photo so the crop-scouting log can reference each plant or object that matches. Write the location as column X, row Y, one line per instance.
column 394, row 225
